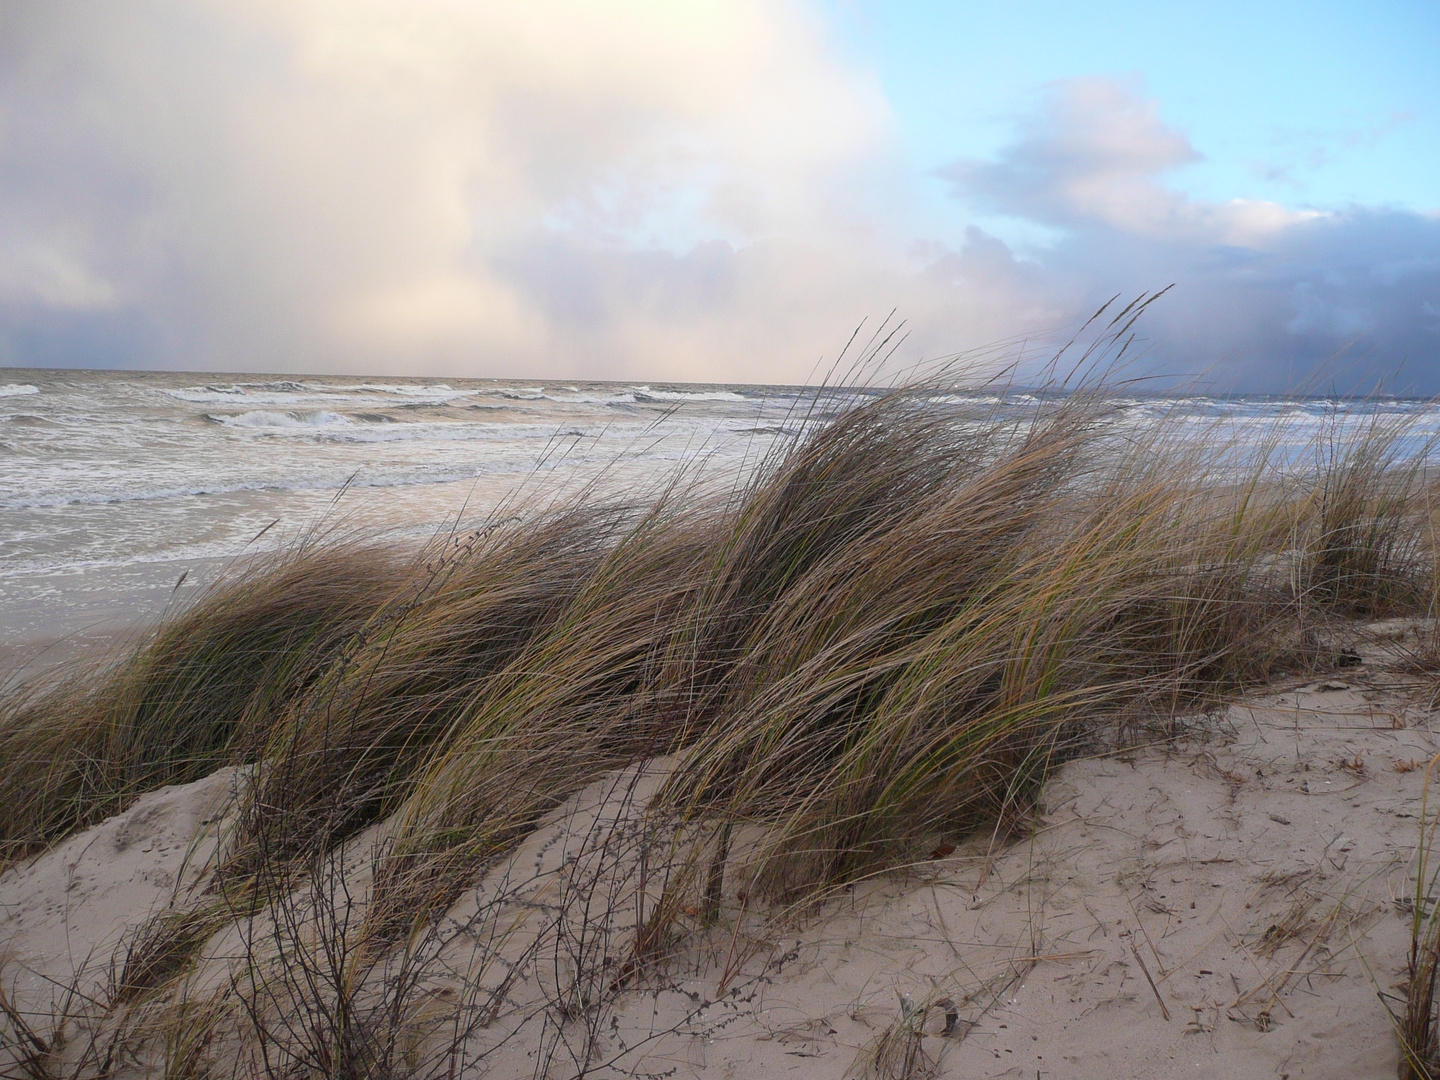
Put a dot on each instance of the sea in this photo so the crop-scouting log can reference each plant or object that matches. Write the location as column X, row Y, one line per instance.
column 123, row 494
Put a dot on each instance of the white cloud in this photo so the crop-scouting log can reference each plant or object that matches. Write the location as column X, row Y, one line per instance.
column 1266, row 297
column 316, row 182
column 1093, row 156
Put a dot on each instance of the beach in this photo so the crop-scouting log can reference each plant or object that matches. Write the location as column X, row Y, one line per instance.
column 719, row 541
column 1258, row 863
column 929, row 734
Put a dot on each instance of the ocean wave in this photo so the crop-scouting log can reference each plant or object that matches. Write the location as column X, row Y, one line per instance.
column 264, row 419
column 27, row 418
column 640, row 395
column 573, row 395
column 270, row 393
column 439, row 391
column 623, row 397
column 644, row 393
column 323, row 425
column 523, row 450
column 210, row 391
column 16, row 389
column 287, row 393
column 451, row 431
column 335, row 480
column 329, row 426
column 965, row 399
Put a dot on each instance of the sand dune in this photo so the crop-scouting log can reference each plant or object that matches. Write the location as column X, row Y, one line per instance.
column 1224, row 900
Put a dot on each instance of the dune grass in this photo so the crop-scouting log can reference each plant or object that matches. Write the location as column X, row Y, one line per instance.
column 1417, row 1026
column 80, row 745
column 889, row 631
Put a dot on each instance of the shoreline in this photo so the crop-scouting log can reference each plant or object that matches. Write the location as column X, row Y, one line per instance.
column 49, row 617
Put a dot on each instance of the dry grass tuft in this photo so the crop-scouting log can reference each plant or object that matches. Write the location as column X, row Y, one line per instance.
column 76, row 747
column 1417, row 1025
column 890, row 631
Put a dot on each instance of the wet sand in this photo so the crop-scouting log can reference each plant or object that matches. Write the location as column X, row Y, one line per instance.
column 48, row 618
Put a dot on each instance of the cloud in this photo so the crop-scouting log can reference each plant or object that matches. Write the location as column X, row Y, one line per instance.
column 698, row 191
column 1089, row 156
column 1266, row 298
column 316, row 183
column 1301, row 151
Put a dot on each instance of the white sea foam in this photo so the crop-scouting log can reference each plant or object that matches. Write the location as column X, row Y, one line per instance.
column 320, row 482
column 294, row 393
column 633, row 395
column 265, row 419
column 380, row 428
column 271, row 395
column 424, row 390
column 137, row 467
column 580, row 397
column 965, row 399
column 644, row 393
column 454, row 431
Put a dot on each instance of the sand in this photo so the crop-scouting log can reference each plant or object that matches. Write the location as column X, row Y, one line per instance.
column 1227, row 900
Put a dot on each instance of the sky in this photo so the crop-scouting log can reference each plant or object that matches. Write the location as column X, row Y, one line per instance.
column 685, row 190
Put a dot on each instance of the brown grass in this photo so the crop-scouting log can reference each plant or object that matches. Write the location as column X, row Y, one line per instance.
column 892, row 630
column 80, row 745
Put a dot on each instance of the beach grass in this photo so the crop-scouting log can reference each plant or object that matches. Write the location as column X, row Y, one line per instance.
column 80, row 745
column 887, row 634
column 1416, row 1024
